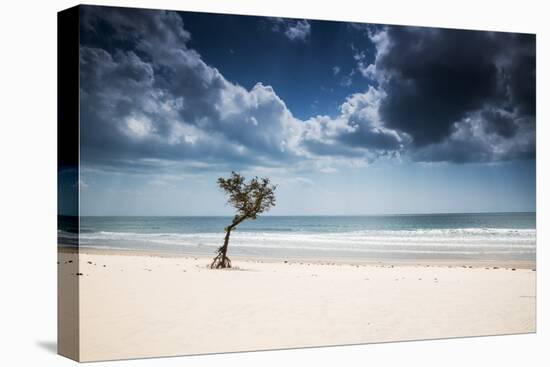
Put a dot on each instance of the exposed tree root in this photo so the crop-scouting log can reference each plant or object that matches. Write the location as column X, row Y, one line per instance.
column 221, row 261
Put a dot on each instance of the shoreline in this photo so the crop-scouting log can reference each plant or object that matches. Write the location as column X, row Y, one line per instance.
column 464, row 263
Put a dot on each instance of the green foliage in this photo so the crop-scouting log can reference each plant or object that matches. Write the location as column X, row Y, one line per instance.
column 249, row 198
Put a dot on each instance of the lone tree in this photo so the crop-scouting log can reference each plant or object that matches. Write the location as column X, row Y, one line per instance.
column 250, row 199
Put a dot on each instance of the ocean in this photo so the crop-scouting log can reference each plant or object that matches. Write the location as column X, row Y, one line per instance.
column 483, row 236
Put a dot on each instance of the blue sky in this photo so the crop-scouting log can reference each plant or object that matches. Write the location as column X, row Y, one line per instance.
column 312, row 75
column 345, row 118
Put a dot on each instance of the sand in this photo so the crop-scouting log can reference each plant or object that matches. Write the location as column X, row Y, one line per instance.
column 141, row 305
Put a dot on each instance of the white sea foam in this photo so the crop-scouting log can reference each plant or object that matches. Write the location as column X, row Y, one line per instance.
column 465, row 241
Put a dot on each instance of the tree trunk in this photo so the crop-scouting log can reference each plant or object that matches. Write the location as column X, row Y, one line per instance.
column 224, row 261
column 221, row 261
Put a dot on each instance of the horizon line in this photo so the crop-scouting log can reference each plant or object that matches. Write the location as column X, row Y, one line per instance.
column 304, row 215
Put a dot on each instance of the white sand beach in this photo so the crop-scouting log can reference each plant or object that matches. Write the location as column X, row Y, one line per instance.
column 142, row 305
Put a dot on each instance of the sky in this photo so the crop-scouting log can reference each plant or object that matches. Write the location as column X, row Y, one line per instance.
column 346, row 118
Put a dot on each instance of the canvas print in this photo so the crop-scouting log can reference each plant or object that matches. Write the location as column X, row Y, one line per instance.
column 238, row 183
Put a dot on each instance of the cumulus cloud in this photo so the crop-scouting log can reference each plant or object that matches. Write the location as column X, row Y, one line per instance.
column 293, row 29
column 356, row 131
column 161, row 100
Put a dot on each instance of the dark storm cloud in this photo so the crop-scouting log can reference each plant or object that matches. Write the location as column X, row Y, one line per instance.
column 500, row 123
column 436, row 79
